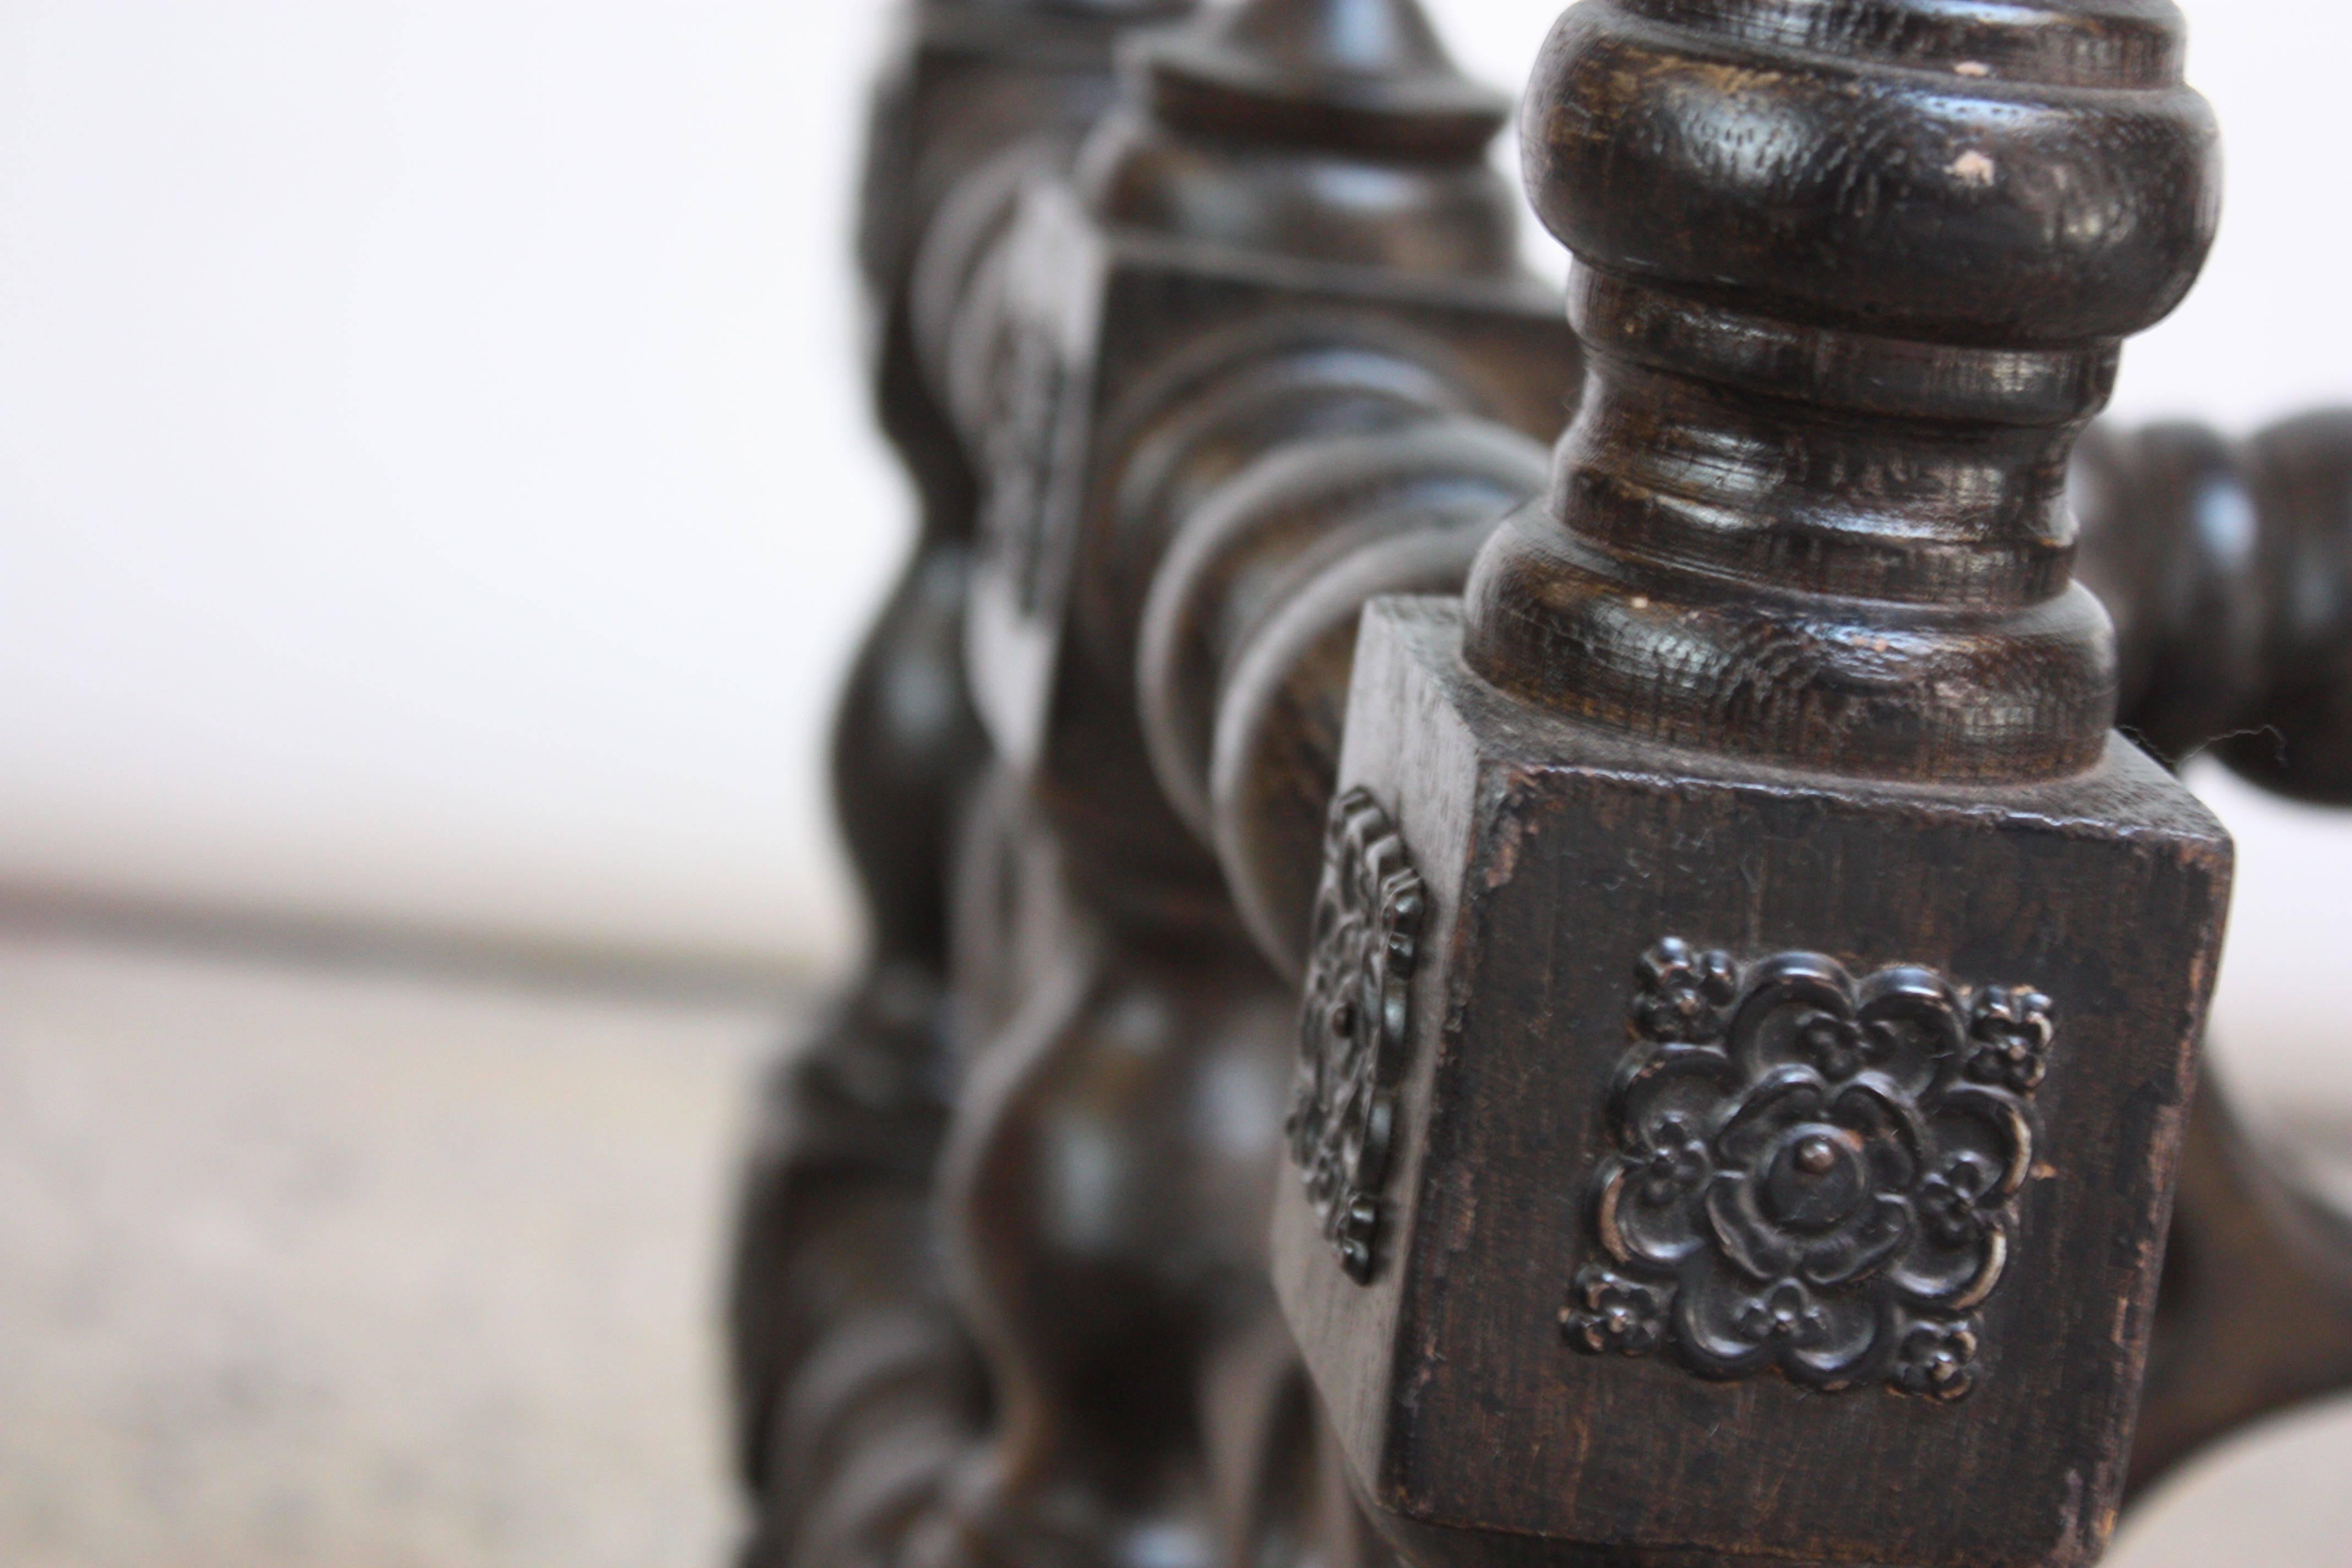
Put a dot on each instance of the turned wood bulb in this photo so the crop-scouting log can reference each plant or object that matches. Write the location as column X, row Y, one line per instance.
column 2002, row 174
column 1358, row 74
column 1851, row 275
column 1333, row 129
column 2227, row 567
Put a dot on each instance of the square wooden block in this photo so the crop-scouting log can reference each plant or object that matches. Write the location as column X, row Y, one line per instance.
column 1738, row 1165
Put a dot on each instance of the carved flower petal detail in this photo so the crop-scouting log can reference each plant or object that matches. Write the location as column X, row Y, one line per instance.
column 2009, row 1038
column 1951, row 1204
column 1818, row 1174
column 1788, row 1010
column 1688, row 1081
column 1996, row 1124
column 1856, row 1253
column 1894, row 1141
column 1660, row 1235
column 1683, row 993
column 1937, row 1359
column 1643, row 1213
column 1785, row 1314
column 1917, row 1018
column 1844, row 1351
column 1752, row 1246
column 1957, row 1278
column 1607, row 1311
column 1711, row 1324
column 1782, row 1098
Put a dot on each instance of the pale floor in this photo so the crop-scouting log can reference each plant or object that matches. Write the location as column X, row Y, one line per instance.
column 322, row 1270
column 349, row 1272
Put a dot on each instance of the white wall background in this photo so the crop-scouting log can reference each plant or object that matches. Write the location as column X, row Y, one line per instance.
column 435, row 481
column 436, row 485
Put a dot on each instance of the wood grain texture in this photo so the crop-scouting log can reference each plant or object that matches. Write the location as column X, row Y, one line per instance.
column 1674, row 1003
column 1557, row 854
column 1852, row 277
column 1784, row 1129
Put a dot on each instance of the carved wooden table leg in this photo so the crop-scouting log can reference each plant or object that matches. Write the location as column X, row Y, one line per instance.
column 1773, row 987
column 2227, row 567
column 2255, row 1315
column 832, row 1235
column 1285, row 241
column 1788, row 663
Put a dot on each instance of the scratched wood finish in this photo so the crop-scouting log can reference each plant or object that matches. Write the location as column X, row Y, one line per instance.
column 1671, row 1001
column 1773, row 1117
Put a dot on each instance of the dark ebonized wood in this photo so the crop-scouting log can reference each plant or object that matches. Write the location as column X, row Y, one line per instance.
column 1636, row 925
column 1750, row 1109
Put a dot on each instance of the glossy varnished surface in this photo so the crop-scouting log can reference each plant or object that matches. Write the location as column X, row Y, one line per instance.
column 1781, row 724
column 1850, row 275
column 1782, row 651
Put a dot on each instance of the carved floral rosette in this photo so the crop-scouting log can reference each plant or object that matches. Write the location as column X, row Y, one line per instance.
column 1811, row 1173
column 1352, row 1027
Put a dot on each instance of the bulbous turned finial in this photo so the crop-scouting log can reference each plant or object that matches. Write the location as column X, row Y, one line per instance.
column 2228, row 568
column 1852, row 274
column 1351, row 74
column 1334, row 128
